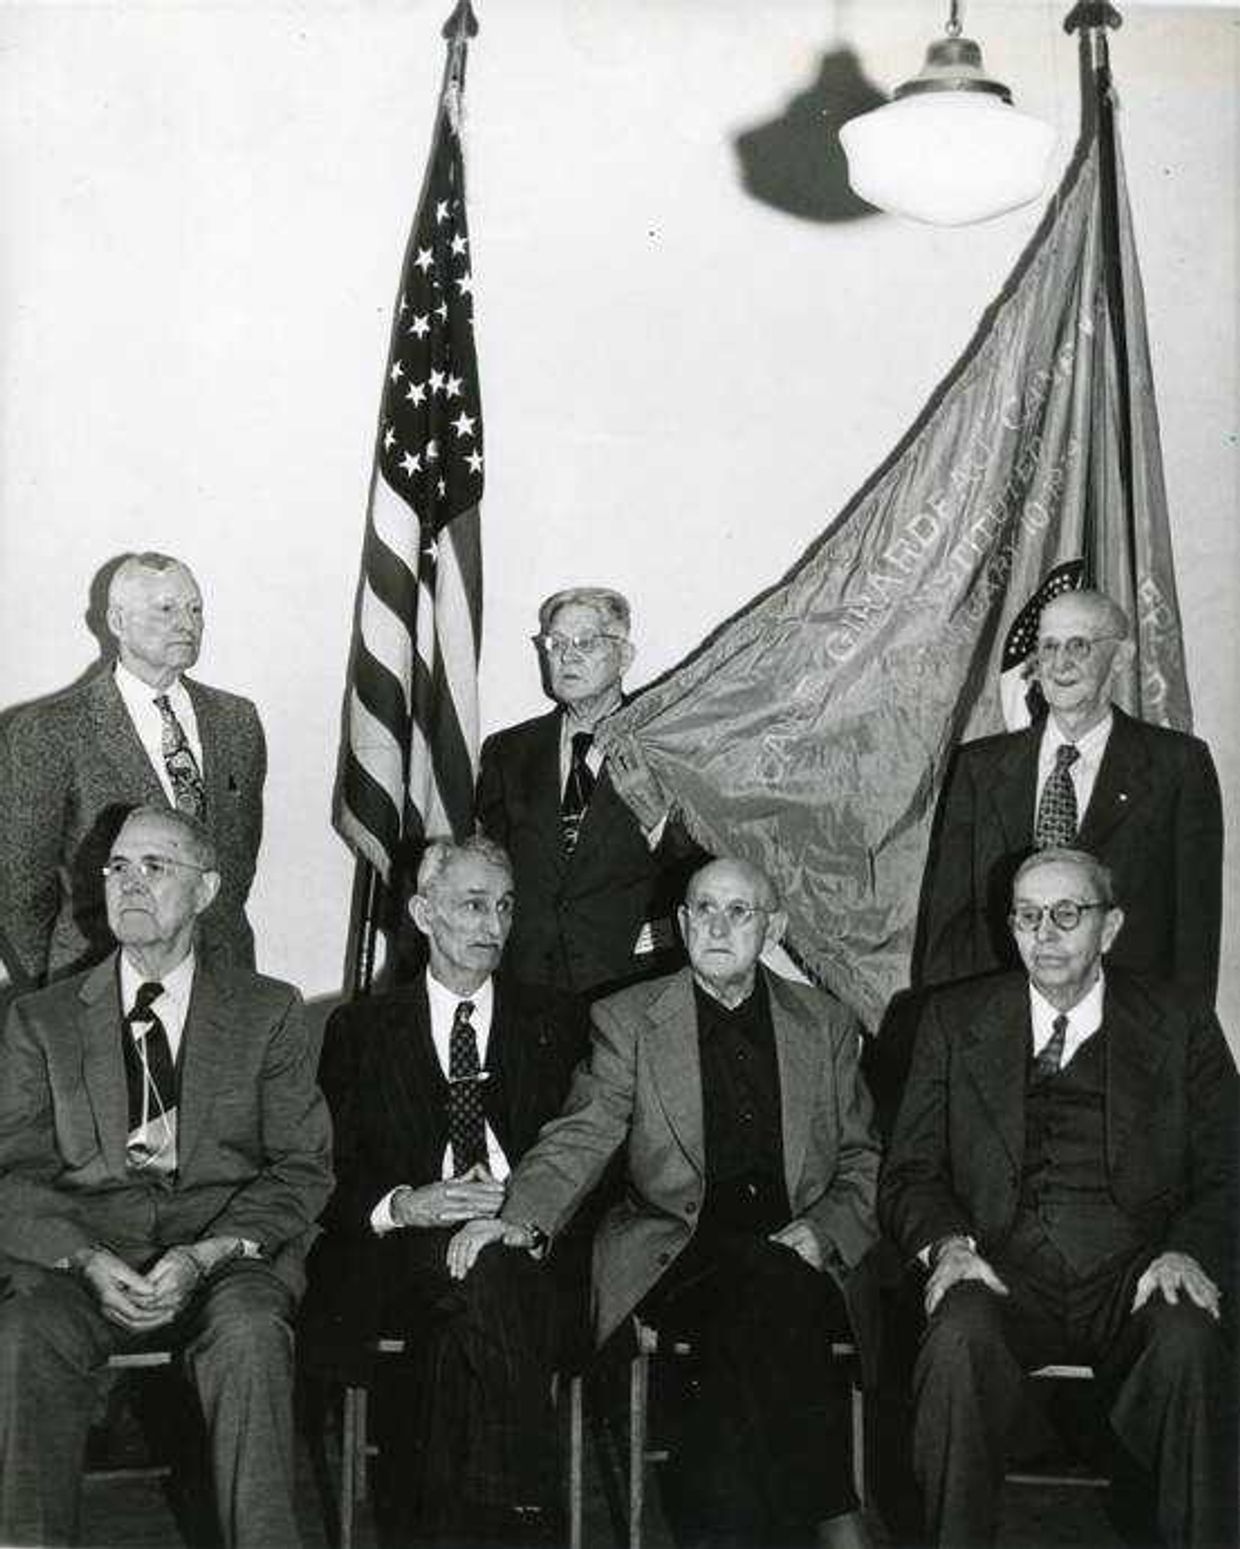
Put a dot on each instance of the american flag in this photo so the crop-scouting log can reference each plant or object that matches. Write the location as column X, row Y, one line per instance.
column 410, row 743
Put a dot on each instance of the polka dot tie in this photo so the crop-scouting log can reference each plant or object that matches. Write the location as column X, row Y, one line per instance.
column 1057, row 816
column 466, row 1130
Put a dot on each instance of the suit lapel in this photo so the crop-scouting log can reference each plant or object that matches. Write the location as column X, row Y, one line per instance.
column 676, row 1066
column 1016, row 786
column 1136, row 1047
column 1123, row 779
column 116, row 739
column 995, row 1052
column 505, row 1057
column 800, row 1051
column 542, row 784
column 103, row 1062
column 214, row 775
column 206, row 1062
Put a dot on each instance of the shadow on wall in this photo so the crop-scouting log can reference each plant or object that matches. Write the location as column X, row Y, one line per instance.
column 795, row 162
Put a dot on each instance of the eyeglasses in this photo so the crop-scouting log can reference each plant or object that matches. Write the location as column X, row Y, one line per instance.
column 1065, row 914
column 584, row 645
column 1077, row 648
column 704, row 911
column 151, row 868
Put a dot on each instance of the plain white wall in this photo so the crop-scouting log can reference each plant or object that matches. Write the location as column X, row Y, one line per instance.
column 204, row 211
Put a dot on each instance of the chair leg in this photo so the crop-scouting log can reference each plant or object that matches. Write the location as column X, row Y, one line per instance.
column 858, row 1441
column 639, row 1383
column 348, row 1465
column 361, row 1485
column 576, row 1461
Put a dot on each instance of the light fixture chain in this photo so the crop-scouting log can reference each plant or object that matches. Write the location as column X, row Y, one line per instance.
column 953, row 20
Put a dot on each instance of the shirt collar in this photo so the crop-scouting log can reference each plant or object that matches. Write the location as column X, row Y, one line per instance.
column 443, row 1001
column 1090, row 747
column 177, row 982
column 1084, row 1019
column 135, row 692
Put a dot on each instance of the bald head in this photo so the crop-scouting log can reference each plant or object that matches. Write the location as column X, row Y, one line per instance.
column 730, row 916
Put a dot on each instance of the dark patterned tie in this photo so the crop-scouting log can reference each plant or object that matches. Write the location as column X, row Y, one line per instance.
column 150, row 1082
column 578, row 789
column 1057, row 817
column 188, row 792
column 466, row 1130
column 1047, row 1063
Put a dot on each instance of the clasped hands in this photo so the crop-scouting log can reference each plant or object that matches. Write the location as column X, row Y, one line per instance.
column 137, row 1302
column 1170, row 1274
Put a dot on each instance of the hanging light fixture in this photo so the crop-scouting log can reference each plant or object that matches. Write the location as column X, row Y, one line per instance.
column 950, row 148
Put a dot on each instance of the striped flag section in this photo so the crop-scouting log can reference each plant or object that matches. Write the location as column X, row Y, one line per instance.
column 410, row 737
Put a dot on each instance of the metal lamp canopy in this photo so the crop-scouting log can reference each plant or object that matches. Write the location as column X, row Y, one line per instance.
column 949, row 149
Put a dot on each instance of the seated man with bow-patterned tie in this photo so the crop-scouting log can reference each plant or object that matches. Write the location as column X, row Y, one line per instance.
column 138, row 730
column 164, row 1152
column 1143, row 798
column 436, row 1090
column 1065, row 1165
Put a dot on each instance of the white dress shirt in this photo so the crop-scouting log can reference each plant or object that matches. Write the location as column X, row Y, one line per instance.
column 443, row 1003
column 172, row 1007
column 1084, row 1019
column 139, row 700
column 1084, row 771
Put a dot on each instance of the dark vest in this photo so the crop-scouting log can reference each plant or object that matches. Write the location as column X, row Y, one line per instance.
column 1064, row 1182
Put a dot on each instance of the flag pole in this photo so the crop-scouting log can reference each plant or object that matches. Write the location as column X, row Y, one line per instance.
column 1092, row 19
column 377, row 892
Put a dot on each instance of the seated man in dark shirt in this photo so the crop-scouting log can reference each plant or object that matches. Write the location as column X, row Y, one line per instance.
column 751, row 1169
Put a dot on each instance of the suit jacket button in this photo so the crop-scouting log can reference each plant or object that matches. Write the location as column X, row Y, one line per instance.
column 663, row 1259
column 691, row 1207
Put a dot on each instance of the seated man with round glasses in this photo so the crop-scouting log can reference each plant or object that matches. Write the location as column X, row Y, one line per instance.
column 750, row 1164
column 598, row 875
column 1143, row 798
column 1064, row 1164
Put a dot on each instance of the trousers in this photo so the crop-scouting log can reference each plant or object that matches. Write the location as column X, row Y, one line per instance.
column 765, row 1433
column 1165, row 1373
column 236, row 1341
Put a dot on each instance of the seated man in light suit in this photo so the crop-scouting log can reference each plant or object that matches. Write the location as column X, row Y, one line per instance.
column 1065, row 1164
column 136, row 731
column 598, row 874
column 436, row 1089
column 164, row 1152
column 1143, row 798
column 750, row 1172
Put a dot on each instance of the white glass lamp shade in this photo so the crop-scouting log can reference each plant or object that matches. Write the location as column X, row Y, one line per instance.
column 947, row 157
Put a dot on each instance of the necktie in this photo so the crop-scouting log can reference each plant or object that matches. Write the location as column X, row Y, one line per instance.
column 465, row 1124
column 578, row 789
column 187, row 788
column 149, row 1078
column 1047, row 1063
column 1057, row 815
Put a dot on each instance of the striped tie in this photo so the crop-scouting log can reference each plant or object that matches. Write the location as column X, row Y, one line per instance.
column 578, row 789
